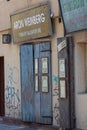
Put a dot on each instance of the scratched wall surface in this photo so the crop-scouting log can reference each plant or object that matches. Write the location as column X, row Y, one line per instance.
column 55, row 92
column 12, row 92
column 55, row 100
column 11, row 79
column 55, row 87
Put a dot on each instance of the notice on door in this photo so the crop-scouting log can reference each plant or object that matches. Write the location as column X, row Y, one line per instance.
column 44, row 83
column 44, row 65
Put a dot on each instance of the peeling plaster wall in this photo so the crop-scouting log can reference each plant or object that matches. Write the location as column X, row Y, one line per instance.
column 58, row 32
column 12, row 78
column 12, row 58
column 80, row 57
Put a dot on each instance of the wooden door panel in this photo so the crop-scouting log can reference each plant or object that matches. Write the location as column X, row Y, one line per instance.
column 36, row 105
column 27, row 83
column 46, row 102
column 44, row 108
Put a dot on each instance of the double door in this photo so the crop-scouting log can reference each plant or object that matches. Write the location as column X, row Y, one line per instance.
column 36, row 83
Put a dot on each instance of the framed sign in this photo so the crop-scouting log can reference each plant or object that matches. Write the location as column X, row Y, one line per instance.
column 44, row 83
column 74, row 14
column 61, row 68
column 62, row 89
column 32, row 23
column 44, row 65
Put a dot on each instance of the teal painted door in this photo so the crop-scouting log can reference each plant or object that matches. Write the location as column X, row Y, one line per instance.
column 36, row 83
column 27, row 85
column 43, row 85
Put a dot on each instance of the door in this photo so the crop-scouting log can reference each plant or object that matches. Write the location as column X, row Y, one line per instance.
column 43, row 88
column 2, row 100
column 66, row 82
column 36, row 83
column 27, row 85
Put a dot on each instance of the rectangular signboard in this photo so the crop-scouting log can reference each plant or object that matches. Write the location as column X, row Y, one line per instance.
column 74, row 14
column 31, row 24
column 62, row 89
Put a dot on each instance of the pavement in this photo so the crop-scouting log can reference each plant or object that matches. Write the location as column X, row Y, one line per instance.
column 14, row 127
column 14, row 124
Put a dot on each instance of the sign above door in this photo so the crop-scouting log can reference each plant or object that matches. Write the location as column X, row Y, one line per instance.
column 31, row 24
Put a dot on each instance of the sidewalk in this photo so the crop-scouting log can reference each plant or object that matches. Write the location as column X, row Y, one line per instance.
column 28, row 126
column 32, row 126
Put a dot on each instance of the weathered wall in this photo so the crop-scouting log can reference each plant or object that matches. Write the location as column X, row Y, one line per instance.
column 7, row 8
column 80, row 79
column 58, row 32
column 12, row 78
column 12, row 57
column 53, row 4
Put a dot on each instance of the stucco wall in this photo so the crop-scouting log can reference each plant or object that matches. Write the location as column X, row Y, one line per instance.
column 12, row 78
column 58, row 32
column 6, row 9
column 80, row 79
column 12, row 58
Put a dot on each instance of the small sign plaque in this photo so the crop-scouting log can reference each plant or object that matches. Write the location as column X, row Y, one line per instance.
column 62, row 45
column 62, row 89
column 62, row 68
column 44, row 83
column 44, row 65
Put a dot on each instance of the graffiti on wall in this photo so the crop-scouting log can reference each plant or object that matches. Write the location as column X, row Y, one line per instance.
column 56, row 99
column 12, row 92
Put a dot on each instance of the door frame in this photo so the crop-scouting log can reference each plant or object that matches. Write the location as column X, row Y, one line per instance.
column 66, row 52
column 2, row 94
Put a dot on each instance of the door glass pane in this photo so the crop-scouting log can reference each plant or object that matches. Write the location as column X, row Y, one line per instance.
column 44, row 83
column 36, row 66
column 36, row 83
column 44, row 65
